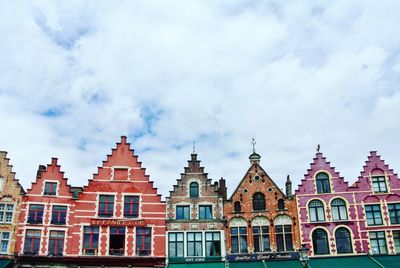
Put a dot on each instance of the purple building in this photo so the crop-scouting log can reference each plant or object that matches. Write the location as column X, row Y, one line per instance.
column 338, row 219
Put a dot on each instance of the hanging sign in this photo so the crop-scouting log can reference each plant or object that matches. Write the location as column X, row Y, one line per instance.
column 117, row 222
column 264, row 256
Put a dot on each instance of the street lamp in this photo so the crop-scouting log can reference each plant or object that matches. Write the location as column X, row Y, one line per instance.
column 304, row 256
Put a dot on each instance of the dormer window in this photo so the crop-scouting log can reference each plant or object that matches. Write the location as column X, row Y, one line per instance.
column 194, row 189
column 379, row 184
column 50, row 188
column 323, row 185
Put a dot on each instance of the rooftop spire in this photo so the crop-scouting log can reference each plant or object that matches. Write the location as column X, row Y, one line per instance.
column 254, row 157
column 253, row 142
column 194, row 147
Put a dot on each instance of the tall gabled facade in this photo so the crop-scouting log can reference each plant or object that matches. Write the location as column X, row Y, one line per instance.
column 46, row 215
column 195, row 223
column 119, row 216
column 10, row 202
column 327, row 211
column 377, row 196
column 260, row 217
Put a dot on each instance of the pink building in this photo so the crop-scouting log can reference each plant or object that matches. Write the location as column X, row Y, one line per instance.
column 338, row 219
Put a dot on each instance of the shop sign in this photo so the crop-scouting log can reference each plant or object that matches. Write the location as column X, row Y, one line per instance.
column 263, row 256
column 117, row 222
column 194, row 259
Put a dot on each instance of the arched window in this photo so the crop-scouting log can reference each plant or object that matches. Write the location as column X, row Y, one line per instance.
column 323, row 185
column 316, row 210
column 339, row 210
column 320, row 242
column 281, row 204
column 258, row 202
column 343, row 241
column 237, row 207
column 194, row 189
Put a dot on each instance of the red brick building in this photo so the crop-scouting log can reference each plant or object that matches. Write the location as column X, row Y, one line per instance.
column 261, row 219
column 118, row 219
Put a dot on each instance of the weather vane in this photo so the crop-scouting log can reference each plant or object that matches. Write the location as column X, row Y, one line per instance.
column 253, row 142
column 194, row 147
column 318, row 148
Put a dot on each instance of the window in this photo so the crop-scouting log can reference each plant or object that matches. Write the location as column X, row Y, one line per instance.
column 194, row 189
column 396, row 238
column 281, row 204
column 117, row 241
column 213, row 244
column 182, row 212
column 343, row 241
column 205, row 212
column 261, row 238
column 378, row 242
column 175, row 244
column 238, row 239
column 58, row 215
column 90, row 240
column 35, row 215
column 320, row 242
column 131, row 206
column 237, row 207
column 373, row 213
column 339, row 210
column 284, row 240
column 1, row 184
column 106, row 206
column 32, row 242
column 258, row 202
column 323, row 185
column 143, row 241
column 56, row 243
column 50, row 188
column 6, row 213
column 394, row 213
column 194, row 244
column 5, row 239
column 316, row 210
column 379, row 184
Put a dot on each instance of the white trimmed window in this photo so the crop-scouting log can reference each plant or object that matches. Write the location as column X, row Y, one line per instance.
column 6, row 213
column 5, row 239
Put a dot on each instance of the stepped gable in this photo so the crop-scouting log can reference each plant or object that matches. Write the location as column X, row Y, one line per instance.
column 375, row 166
column 122, row 165
column 307, row 185
column 50, row 173
column 8, row 174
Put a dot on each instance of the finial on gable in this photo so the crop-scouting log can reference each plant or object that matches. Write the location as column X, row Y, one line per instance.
column 318, row 148
column 253, row 142
column 254, row 157
column 194, row 147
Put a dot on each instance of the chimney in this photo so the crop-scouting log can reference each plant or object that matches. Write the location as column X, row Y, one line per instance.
column 288, row 187
column 222, row 188
column 40, row 170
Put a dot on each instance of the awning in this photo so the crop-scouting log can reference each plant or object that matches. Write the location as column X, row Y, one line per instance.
column 267, row 264
column 198, row 265
column 388, row 261
column 352, row 261
column 4, row 263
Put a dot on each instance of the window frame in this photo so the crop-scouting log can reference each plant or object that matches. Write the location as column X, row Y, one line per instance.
column 343, row 238
column 339, row 210
column 315, row 240
column 260, row 237
column 35, row 214
column 381, row 180
column 394, row 208
column 143, row 235
column 5, row 240
column 184, row 208
column 56, row 241
column 319, row 211
column 396, row 240
column 106, row 204
column 195, row 242
column 52, row 192
column 6, row 213
column 194, row 189
column 373, row 213
column 59, row 216
column 215, row 242
column 205, row 215
column 323, row 185
column 93, row 234
column 381, row 242
column 131, row 205
column 285, row 234
column 241, row 238
column 32, row 238
column 258, row 202
column 176, row 244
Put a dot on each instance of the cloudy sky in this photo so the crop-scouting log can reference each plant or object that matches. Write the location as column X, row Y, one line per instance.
column 76, row 75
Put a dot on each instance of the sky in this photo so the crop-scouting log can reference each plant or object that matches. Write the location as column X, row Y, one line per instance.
column 76, row 75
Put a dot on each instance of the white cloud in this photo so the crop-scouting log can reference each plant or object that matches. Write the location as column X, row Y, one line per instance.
column 167, row 73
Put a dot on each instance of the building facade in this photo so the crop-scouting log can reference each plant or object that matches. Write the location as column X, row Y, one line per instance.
column 260, row 218
column 327, row 211
column 118, row 219
column 195, row 223
column 10, row 201
column 338, row 219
